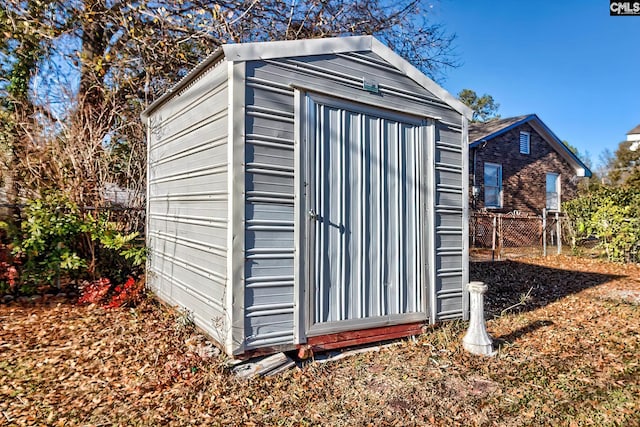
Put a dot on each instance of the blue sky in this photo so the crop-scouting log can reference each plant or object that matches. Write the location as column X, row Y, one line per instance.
column 567, row 61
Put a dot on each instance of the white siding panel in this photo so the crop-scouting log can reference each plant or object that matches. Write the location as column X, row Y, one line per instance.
column 447, row 178
column 270, row 181
column 317, row 72
column 203, row 257
column 280, row 157
column 261, row 267
column 198, row 160
column 450, row 136
column 265, row 128
column 269, row 215
column 270, row 97
column 448, row 156
column 448, row 220
column 209, row 132
column 270, row 212
column 204, row 232
column 203, row 310
column 356, row 67
column 449, row 240
column 208, row 209
column 448, row 198
column 273, row 294
column 188, row 183
column 268, row 238
column 194, row 101
column 188, row 200
column 203, row 283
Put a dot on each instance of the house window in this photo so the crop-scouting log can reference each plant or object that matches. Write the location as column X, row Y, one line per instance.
column 553, row 192
column 492, row 185
column 525, row 137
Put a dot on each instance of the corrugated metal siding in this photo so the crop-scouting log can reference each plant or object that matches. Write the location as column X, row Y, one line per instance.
column 269, row 215
column 188, row 200
column 449, row 222
column 269, row 238
column 343, row 75
column 368, row 242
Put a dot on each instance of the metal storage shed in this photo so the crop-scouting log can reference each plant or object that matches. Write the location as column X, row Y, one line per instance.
column 309, row 192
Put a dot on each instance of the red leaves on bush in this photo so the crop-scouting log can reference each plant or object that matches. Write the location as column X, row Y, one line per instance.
column 102, row 292
column 12, row 275
column 8, row 271
column 126, row 295
column 95, row 292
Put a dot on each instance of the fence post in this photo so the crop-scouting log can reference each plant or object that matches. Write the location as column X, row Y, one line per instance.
column 500, row 237
column 493, row 239
column 559, row 233
column 544, row 232
column 472, row 228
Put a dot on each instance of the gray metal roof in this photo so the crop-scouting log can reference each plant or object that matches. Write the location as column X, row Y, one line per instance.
column 308, row 47
column 482, row 132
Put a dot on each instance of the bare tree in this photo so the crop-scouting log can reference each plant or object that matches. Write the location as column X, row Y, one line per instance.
column 95, row 64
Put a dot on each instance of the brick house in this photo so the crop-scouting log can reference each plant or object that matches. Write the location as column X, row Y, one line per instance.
column 519, row 164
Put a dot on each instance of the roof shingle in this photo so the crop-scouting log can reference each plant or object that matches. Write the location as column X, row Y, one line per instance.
column 482, row 132
column 634, row 131
column 477, row 131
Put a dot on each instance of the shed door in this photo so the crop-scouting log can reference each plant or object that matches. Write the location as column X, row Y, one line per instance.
column 366, row 218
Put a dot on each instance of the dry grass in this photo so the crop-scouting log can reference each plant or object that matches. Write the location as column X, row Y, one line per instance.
column 569, row 356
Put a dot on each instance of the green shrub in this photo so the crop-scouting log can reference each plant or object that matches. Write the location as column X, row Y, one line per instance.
column 58, row 244
column 612, row 215
column 49, row 241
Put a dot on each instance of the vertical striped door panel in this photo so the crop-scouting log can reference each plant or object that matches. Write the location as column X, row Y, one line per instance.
column 366, row 200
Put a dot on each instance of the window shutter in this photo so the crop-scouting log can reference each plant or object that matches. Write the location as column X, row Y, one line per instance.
column 524, row 142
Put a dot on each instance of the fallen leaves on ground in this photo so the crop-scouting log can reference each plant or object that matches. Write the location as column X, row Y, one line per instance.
column 568, row 355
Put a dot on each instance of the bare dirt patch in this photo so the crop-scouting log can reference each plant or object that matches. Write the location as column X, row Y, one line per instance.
column 628, row 296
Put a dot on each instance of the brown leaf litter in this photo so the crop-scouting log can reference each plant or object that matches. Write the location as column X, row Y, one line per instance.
column 566, row 356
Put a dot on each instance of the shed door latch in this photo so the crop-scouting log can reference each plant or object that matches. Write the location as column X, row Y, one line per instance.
column 312, row 215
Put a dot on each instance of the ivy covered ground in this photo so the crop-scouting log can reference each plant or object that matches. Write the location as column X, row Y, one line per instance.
column 567, row 330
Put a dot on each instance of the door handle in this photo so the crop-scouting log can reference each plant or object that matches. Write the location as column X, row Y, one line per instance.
column 312, row 215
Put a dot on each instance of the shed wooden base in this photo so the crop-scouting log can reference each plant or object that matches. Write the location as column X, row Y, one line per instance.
column 341, row 340
column 365, row 336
